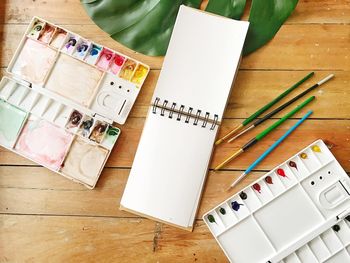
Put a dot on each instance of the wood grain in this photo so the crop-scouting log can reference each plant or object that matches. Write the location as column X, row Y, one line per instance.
column 45, row 217
column 295, row 47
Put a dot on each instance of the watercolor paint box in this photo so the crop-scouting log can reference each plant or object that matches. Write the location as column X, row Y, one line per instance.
column 50, row 132
column 89, row 75
column 63, row 95
column 284, row 216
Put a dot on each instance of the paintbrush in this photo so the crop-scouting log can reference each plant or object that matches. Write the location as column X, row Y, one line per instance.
column 283, row 106
column 264, row 108
column 261, row 135
column 270, row 149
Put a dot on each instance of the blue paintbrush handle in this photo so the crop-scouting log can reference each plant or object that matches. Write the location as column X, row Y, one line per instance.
column 276, row 143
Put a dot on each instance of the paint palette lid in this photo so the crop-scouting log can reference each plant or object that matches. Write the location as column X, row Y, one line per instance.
column 97, row 80
column 289, row 207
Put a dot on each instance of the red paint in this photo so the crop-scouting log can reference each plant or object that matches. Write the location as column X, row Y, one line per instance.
column 268, row 179
column 257, row 188
column 119, row 60
column 281, row 172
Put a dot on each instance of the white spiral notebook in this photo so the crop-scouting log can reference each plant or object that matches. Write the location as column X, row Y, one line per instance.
column 171, row 162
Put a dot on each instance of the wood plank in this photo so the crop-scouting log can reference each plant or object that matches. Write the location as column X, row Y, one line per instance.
column 267, row 85
column 35, row 190
column 72, row 12
column 336, row 132
column 296, row 47
column 89, row 239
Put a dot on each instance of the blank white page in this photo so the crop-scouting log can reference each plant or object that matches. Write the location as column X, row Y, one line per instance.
column 202, row 59
column 169, row 170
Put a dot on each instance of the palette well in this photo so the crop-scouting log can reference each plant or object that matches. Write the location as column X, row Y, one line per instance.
column 51, row 132
column 278, row 217
column 66, row 64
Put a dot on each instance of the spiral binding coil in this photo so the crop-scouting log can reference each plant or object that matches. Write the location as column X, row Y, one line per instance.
column 180, row 112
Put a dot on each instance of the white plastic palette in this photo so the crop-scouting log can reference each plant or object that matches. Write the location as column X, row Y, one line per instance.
column 289, row 207
column 89, row 75
column 64, row 139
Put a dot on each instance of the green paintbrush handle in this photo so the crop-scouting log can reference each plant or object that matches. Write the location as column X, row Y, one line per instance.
column 277, row 99
column 284, row 118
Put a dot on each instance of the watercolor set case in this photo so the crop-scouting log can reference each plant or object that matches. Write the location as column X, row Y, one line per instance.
column 64, row 94
column 298, row 212
column 90, row 76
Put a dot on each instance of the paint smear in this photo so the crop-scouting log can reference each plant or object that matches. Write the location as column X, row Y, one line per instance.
column 139, row 75
column 37, row 28
column 303, row 156
column 235, row 205
column 118, row 62
column 268, row 179
column 257, row 187
column 93, row 54
column 293, row 164
column 11, row 122
column 111, row 137
column 58, row 38
column 106, row 59
column 281, row 172
column 128, row 69
column 84, row 161
column 34, row 61
column 47, row 33
column 44, row 143
column 74, row 80
column 74, row 120
column 98, row 132
column 316, row 148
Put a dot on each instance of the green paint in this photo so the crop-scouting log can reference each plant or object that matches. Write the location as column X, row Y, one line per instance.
column 211, row 219
column 222, row 210
column 111, row 136
column 11, row 123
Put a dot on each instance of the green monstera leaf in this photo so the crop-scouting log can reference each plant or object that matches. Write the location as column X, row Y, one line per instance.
column 229, row 8
column 146, row 25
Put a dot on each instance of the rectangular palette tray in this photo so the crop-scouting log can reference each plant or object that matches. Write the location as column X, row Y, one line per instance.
column 89, row 75
column 284, row 210
column 49, row 131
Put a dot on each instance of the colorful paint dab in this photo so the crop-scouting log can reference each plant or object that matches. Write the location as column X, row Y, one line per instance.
column 303, row 155
column 316, row 148
column 293, row 164
column 243, row 195
column 211, row 219
column 281, row 172
column 222, row 211
column 257, row 188
column 235, row 205
column 268, row 179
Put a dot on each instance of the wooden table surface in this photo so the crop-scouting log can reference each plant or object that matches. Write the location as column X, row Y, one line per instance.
column 47, row 218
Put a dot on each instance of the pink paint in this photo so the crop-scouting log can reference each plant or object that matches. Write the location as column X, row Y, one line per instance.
column 105, row 59
column 44, row 143
column 281, row 172
column 117, row 63
column 257, row 188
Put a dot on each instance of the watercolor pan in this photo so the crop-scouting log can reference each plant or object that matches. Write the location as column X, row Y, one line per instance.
column 298, row 212
column 46, row 128
column 67, row 64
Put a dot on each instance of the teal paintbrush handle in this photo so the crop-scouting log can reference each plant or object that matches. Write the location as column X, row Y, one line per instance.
column 277, row 99
column 284, row 118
